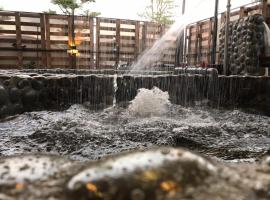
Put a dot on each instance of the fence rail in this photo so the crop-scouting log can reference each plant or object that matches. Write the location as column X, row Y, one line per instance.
column 42, row 40
column 199, row 34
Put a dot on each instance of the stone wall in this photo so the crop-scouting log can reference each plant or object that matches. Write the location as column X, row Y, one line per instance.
column 21, row 92
column 28, row 92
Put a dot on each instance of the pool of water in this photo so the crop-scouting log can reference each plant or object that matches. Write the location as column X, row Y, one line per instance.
column 82, row 134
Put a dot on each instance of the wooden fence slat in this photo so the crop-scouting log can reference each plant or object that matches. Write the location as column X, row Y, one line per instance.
column 48, row 40
column 97, row 41
column 137, row 39
column 210, row 25
column 91, row 31
column 118, row 41
column 19, row 38
column 43, row 39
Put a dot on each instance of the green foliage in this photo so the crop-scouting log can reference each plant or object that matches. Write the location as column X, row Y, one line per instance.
column 52, row 12
column 159, row 11
column 69, row 6
column 91, row 14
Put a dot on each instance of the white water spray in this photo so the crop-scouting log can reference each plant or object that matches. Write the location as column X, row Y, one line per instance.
column 157, row 53
column 149, row 103
column 114, row 89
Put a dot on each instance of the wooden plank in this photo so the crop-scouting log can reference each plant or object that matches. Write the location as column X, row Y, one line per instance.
column 62, row 33
column 97, row 41
column 53, row 16
column 19, row 38
column 127, row 30
column 104, row 28
column 242, row 12
column 144, row 36
column 30, row 24
column 128, row 22
column 106, row 20
column 7, row 14
column 26, row 41
column 30, row 33
column 189, row 46
column 71, row 41
column 32, row 15
column 62, row 26
column 137, row 39
column 3, row 31
column 129, row 46
column 118, row 42
column 59, row 42
column 43, row 39
column 197, row 41
column 3, row 22
column 128, row 37
column 210, row 36
column 48, row 39
column 106, row 36
column 91, row 31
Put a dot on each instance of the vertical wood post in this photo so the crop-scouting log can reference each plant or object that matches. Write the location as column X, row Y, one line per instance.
column 70, row 41
column 144, row 36
column 200, row 43
column 242, row 12
column 189, row 46
column 19, row 39
column 210, row 38
column 196, row 43
column 118, row 42
column 48, row 40
column 97, row 42
column 43, row 40
column 91, row 27
column 137, row 39
column 185, row 46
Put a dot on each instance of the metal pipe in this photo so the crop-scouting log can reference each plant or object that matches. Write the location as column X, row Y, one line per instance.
column 183, row 7
column 214, row 39
column 225, row 63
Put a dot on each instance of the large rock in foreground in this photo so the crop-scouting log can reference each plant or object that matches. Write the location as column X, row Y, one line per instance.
column 164, row 173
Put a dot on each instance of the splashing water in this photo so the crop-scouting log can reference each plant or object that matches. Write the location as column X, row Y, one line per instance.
column 157, row 53
column 148, row 103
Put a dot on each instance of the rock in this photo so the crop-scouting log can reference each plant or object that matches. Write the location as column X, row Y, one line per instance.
column 29, row 98
column 14, row 95
column 3, row 96
column 28, row 168
column 23, row 83
column 146, row 175
column 36, row 84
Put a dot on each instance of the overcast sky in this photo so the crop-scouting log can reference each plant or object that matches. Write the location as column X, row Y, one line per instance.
column 125, row 9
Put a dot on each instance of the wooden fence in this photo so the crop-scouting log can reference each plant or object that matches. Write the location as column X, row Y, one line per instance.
column 199, row 35
column 42, row 41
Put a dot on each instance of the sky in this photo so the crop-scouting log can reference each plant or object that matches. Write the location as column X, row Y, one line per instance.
column 123, row 9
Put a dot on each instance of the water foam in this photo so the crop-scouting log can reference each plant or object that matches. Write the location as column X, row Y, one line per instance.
column 149, row 103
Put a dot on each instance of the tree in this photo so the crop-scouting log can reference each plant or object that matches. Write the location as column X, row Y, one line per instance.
column 68, row 7
column 160, row 11
column 52, row 12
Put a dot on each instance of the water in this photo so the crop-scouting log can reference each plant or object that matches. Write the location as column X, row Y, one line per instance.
column 150, row 58
column 81, row 134
column 149, row 103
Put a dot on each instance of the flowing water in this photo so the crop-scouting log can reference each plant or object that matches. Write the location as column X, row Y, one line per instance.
column 153, row 56
column 82, row 134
